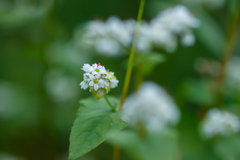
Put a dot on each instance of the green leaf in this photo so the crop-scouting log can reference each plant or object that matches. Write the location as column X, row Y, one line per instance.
column 197, row 91
column 147, row 62
column 228, row 147
column 210, row 33
column 156, row 6
column 151, row 147
column 94, row 120
column 233, row 6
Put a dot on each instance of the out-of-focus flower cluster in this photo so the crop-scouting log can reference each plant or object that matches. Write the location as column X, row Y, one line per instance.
column 98, row 79
column 164, row 30
column 220, row 122
column 15, row 13
column 152, row 107
column 109, row 37
column 114, row 36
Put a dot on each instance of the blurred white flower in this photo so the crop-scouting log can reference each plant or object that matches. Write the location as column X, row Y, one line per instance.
column 188, row 39
column 107, row 46
column 163, row 30
column 155, row 35
column 177, row 19
column 108, row 37
column 98, row 79
column 114, row 37
column 59, row 87
column 152, row 106
column 219, row 122
column 121, row 30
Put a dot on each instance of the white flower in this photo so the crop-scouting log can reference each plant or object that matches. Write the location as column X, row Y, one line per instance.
column 88, row 76
column 114, row 83
column 107, row 46
column 115, row 36
column 121, row 30
column 188, row 39
column 177, row 19
column 163, row 31
column 155, row 35
column 219, row 122
column 151, row 106
column 108, row 37
column 87, row 68
column 98, row 80
column 84, row 84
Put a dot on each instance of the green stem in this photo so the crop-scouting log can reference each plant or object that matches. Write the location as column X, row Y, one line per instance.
column 116, row 152
column 138, row 75
column 131, row 56
column 113, row 108
column 229, row 49
column 141, row 129
column 228, row 52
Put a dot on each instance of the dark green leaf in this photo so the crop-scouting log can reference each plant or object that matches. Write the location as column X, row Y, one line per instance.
column 94, row 120
column 151, row 147
column 233, row 6
column 210, row 34
column 197, row 91
column 147, row 62
column 228, row 148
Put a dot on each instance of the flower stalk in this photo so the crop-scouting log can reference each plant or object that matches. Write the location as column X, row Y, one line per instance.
column 228, row 51
column 113, row 108
column 131, row 56
column 116, row 154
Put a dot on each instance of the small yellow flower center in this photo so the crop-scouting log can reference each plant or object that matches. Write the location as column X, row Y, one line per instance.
column 95, row 81
column 97, row 70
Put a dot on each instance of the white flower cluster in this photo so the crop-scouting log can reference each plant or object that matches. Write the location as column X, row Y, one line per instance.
column 152, row 107
column 110, row 37
column 219, row 122
column 233, row 74
column 114, row 36
column 164, row 30
column 98, row 79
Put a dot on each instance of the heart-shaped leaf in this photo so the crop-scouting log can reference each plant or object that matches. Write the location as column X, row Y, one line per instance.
column 94, row 120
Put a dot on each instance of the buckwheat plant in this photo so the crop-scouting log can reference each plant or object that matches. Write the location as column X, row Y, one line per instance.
column 150, row 112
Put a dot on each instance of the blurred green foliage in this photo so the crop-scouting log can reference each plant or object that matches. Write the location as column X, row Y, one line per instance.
column 40, row 72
